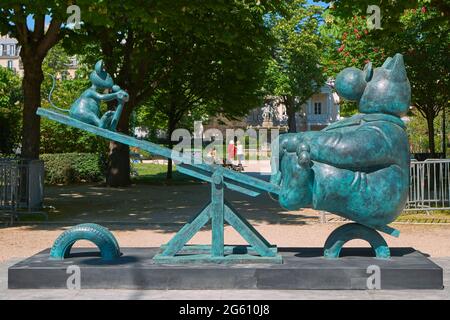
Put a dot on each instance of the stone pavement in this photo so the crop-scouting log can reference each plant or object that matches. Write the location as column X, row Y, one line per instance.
column 225, row 294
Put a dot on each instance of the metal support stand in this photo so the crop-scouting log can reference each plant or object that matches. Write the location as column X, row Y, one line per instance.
column 218, row 211
column 351, row 231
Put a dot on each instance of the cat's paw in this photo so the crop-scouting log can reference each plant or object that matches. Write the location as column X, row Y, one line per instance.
column 105, row 121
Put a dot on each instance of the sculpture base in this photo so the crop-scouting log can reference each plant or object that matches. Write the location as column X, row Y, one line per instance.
column 303, row 268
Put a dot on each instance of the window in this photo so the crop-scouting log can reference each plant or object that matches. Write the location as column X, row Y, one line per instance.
column 10, row 64
column 317, row 107
column 9, row 50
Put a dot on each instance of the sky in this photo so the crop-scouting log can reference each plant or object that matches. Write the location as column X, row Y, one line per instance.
column 30, row 21
column 319, row 3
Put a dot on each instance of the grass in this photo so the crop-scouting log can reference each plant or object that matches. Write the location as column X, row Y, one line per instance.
column 436, row 216
column 149, row 173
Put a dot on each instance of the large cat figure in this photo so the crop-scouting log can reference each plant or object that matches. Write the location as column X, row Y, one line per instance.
column 357, row 168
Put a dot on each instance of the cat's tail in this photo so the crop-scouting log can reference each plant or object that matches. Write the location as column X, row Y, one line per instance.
column 51, row 93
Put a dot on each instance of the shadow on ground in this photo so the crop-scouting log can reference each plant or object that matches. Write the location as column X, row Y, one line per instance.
column 143, row 206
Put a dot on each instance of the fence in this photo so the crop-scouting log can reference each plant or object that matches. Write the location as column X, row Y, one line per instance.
column 430, row 185
column 9, row 188
column 21, row 186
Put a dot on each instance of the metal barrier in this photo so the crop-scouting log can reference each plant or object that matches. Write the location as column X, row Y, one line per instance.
column 21, row 187
column 9, row 187
column 430, row 185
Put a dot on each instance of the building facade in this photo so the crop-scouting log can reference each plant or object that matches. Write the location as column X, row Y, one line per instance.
column 318, row 112
column 9, row 54
column 10, row 58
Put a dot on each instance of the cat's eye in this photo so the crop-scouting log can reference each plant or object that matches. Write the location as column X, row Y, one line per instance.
column 368, row 72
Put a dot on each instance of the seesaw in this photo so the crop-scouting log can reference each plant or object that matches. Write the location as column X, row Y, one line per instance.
column 363, row 178
column 357, row 168
column 218, row 210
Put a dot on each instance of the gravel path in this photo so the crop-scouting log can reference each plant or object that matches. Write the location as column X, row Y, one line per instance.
column 149, row 215
column 21, row 242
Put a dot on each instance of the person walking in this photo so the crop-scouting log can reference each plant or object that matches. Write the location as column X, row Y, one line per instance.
column 240, row 153
column 231, row 150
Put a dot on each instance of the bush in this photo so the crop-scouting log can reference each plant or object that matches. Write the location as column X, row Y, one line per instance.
column 65, row 168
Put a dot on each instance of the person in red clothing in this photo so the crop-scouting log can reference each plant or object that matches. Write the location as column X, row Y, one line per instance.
column 231, row 150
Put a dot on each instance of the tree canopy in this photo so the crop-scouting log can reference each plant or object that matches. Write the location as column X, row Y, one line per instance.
column 10, row 111
column 294, row 71
column 417, row 29
column 184, row 54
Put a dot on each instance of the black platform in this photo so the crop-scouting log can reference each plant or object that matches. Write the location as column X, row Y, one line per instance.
column 303, row 268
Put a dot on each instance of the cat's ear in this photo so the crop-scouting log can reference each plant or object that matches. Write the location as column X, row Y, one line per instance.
column 387, row 63
column 397, row 68
column 99, row 67
column 368, row 71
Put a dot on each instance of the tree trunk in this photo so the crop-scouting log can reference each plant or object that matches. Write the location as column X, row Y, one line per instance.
column 431, row 143
column 170, row 130
column 31, row 85
column 169, row 174
column 118, row 165
column 289, row 102
column 118, row 174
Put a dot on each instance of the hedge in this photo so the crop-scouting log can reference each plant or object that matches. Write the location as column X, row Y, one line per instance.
column 65, row 168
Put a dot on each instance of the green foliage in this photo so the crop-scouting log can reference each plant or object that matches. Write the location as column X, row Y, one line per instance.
column 155, row 174
column 212, row 77
column 56, row 61
column 426, row 58
column 178, row 59
column 420, row 30
column 391, row 11
column 417, row 129
column 65, row 168
column 293, row 69
column 11, row 99
column 349, row 43
column 424, row 44
column 55, row 137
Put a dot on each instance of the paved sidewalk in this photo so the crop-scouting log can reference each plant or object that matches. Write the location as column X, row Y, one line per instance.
column 225, row 294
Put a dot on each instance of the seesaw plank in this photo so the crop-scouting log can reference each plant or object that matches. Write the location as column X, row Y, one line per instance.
column 244, row 180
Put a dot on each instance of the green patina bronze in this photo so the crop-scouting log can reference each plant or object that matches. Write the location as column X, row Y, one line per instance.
column 100, row 236
column 357, row 168
column 87, row 107
column 84, row 114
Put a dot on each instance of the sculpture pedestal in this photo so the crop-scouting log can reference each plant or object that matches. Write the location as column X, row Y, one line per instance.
column 302, row 268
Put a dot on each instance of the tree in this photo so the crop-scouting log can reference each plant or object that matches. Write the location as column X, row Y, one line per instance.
column 293, row 71
column 427, row 63
column 390, row 11
column 66, row 91
column 27, row 22
column 137, row 44
column 213, row 78
column 10, row 109
column 417, row 129
column 348, row 43
column 35, row 43
column 419, row 30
